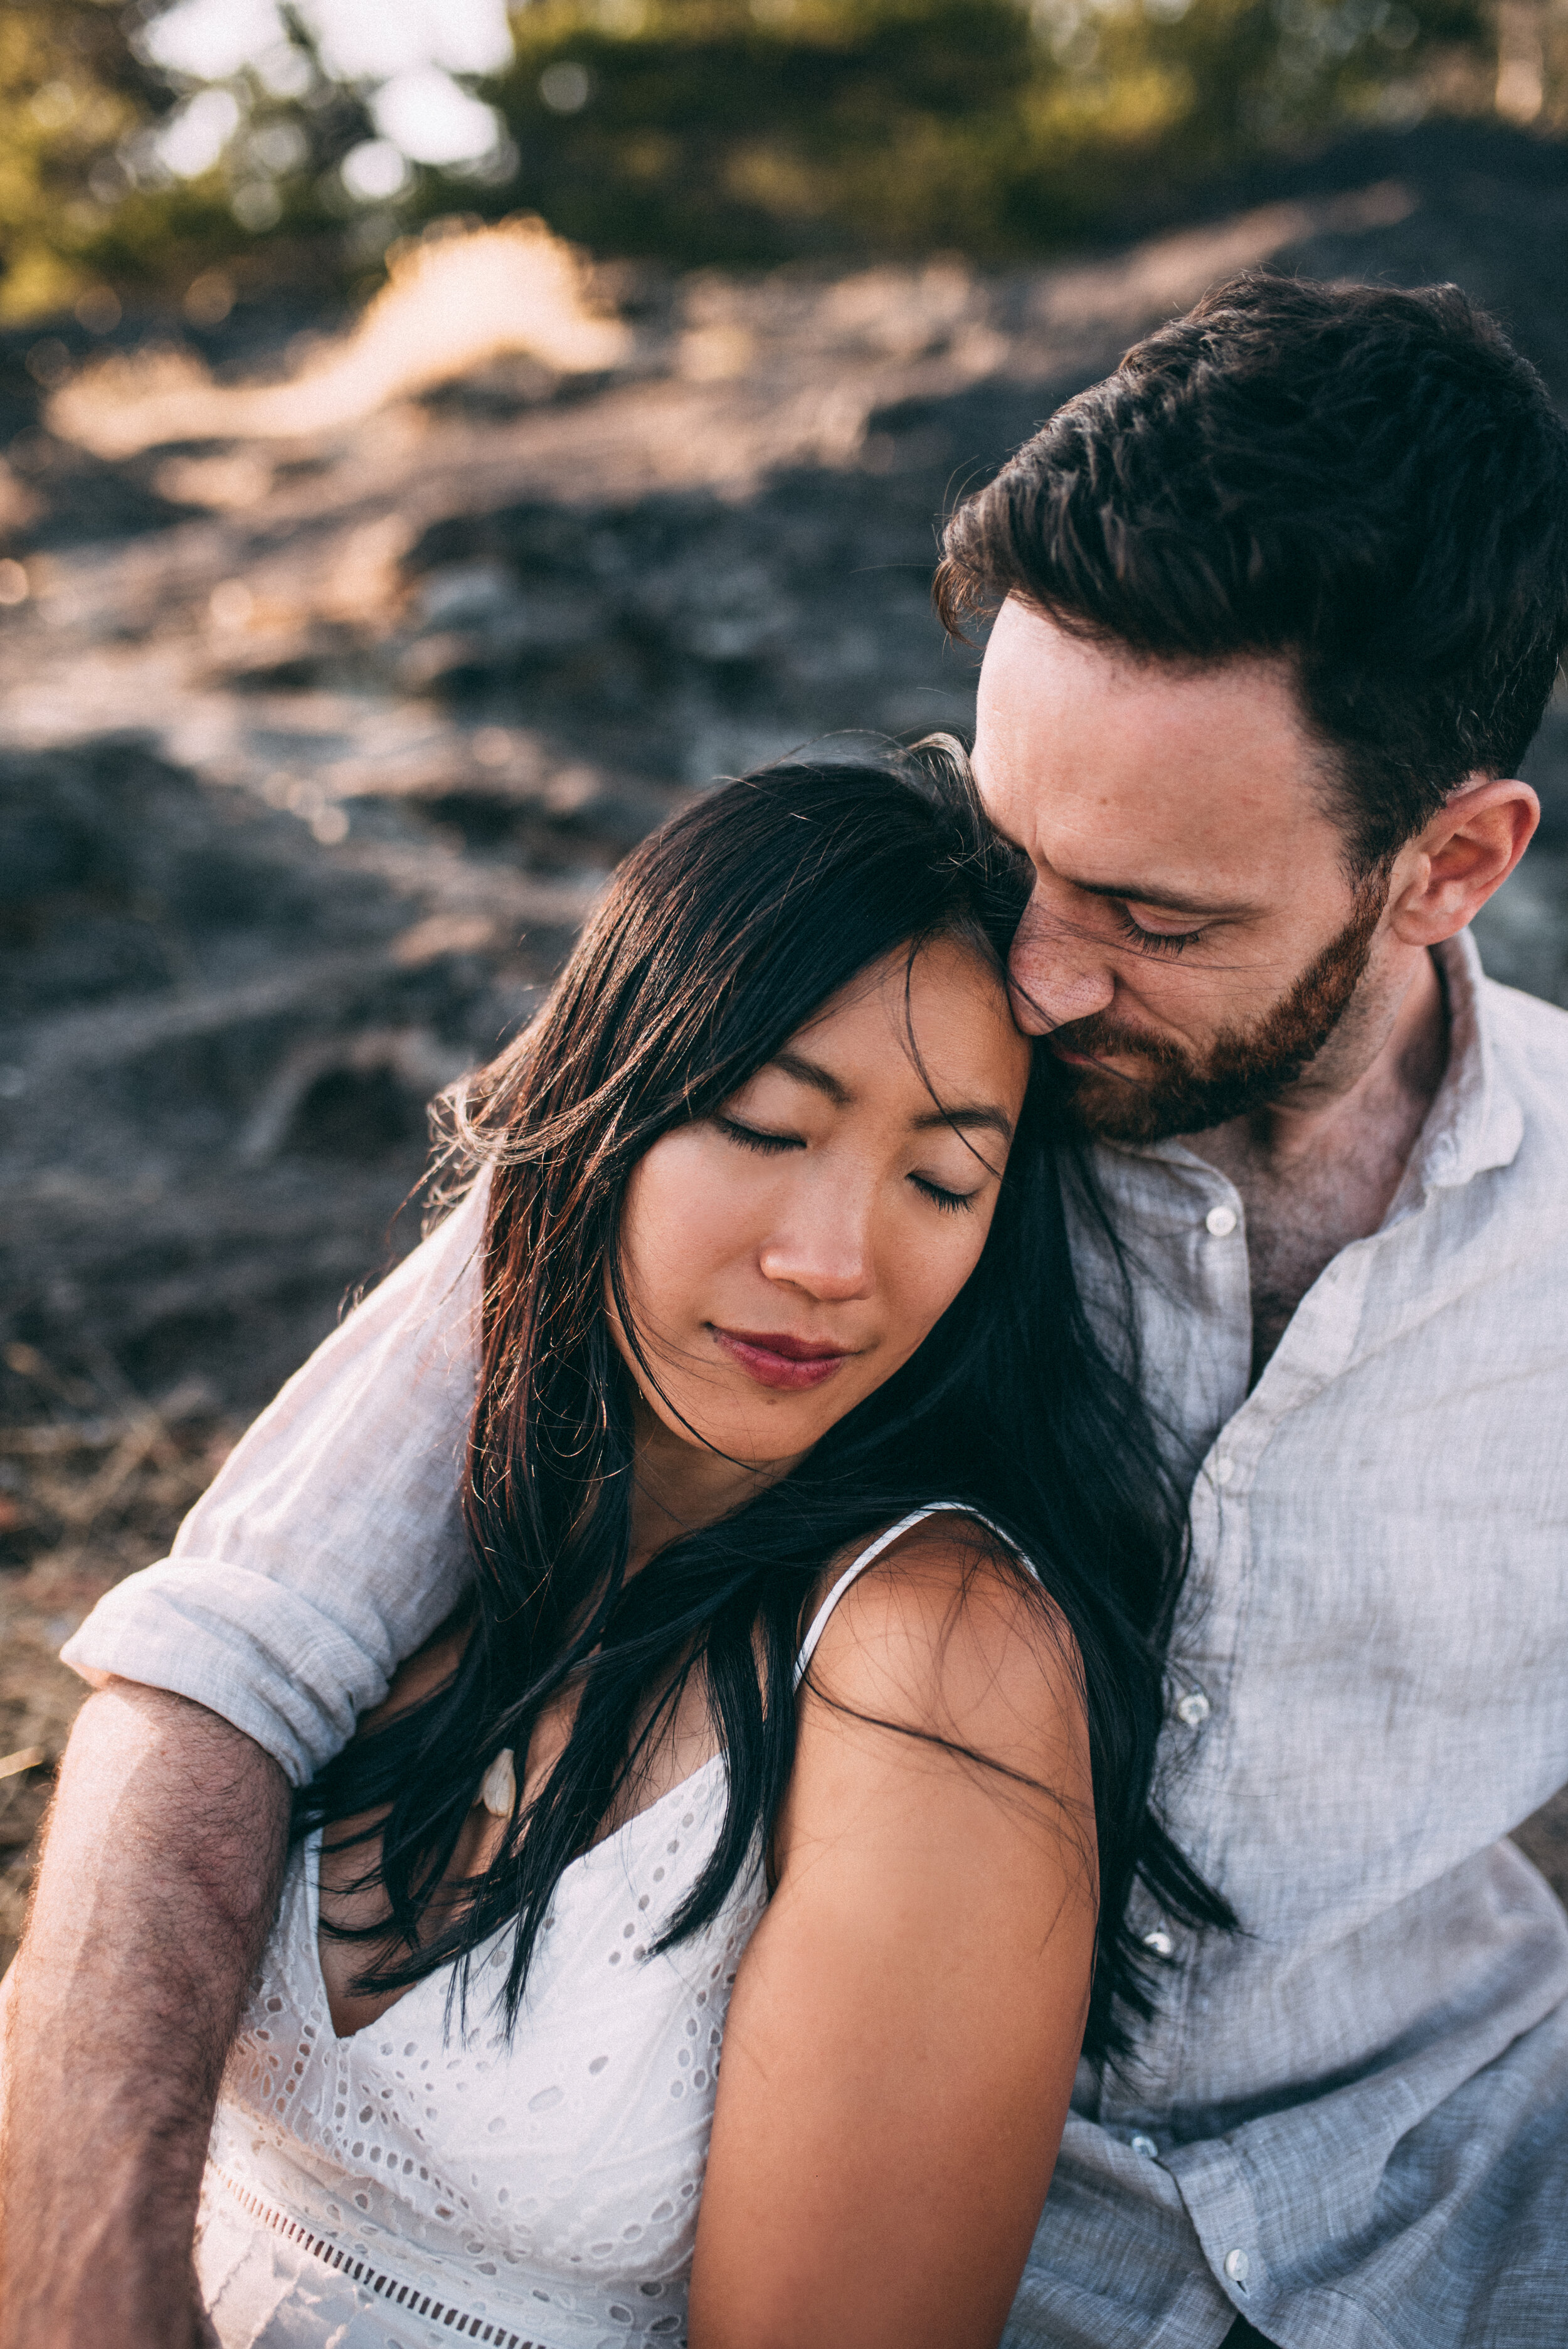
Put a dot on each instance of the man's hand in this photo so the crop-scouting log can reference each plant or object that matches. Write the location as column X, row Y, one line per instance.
column 157, row 1887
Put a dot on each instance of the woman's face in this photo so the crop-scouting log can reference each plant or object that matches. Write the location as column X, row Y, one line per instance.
column 786, row 1256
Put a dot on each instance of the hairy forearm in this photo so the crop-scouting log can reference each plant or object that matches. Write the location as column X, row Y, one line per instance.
column 158, row 1882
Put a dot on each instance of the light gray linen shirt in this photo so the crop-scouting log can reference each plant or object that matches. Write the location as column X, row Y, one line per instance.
column 1349, row 2123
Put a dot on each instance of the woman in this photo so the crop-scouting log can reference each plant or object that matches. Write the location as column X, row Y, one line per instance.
column 807, row 1696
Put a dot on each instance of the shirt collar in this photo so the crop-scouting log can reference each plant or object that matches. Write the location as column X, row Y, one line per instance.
column 1476, row 1121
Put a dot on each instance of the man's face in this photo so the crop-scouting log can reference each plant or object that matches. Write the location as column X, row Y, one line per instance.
column 1192, row 940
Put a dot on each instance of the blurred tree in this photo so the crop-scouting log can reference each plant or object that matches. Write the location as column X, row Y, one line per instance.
column 1155, row 96
column 754, row 130
column 71, row 91
column 116, row 174
column 700, row 130
column 717, row 131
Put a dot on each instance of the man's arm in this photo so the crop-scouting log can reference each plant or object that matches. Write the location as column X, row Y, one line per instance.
column 330, row 1546
column 157, row 1889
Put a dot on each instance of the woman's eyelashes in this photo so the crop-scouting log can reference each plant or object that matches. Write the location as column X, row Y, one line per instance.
column 756, row 1137
column 1156, row 942
column 753, row 1137
column 949, row 1202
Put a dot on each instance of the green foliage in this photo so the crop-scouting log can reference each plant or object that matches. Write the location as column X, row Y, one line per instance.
column 70, row 91
column 1153, row 99
column 733, row 131
column 85, row 205
column 716, row 132
column 719, row 131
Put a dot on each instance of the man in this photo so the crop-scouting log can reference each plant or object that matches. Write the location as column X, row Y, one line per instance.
column 1281, row 605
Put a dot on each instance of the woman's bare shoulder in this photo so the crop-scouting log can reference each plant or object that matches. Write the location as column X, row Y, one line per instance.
column 949, row 1634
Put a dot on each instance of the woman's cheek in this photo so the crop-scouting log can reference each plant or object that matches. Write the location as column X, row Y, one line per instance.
column 970, row 1232
column 660, row 1225
column 934, row 1266
column 688, row 1209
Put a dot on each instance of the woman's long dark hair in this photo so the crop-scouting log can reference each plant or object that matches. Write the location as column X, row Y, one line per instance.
column 720, row 937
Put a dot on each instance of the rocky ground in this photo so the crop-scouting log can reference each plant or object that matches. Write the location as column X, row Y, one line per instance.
column 318, row 745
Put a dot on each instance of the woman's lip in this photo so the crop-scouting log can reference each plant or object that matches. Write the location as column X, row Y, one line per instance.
column 775, row 1359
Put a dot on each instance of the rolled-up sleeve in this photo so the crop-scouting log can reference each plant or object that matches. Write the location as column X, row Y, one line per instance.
column 331, row 1543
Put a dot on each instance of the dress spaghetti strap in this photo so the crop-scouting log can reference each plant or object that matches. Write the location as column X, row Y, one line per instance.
column 872, row 1551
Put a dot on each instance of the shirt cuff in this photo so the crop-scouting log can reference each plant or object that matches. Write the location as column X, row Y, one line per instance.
column 256, row 1652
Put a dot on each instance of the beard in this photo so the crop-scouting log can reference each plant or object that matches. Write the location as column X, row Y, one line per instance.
column 1243, row 1070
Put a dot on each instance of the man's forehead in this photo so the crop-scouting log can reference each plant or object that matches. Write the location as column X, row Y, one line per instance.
column 1115, row 770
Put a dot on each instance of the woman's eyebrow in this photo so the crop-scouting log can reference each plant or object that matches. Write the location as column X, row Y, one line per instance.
column 971, row 1114
column 812, row 1073
column 823, row 1080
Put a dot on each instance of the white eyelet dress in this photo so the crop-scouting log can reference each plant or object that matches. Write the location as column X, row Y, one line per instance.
column 412, row 2185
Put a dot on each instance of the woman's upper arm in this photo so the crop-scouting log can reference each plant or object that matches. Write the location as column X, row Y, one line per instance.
column 904, row 2030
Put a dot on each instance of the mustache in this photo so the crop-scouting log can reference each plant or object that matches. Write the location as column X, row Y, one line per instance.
column 1098, row 1037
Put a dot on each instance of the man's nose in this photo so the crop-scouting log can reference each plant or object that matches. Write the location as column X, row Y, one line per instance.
column 1055, row 977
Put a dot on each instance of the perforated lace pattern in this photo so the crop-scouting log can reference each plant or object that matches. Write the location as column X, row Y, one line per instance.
column 332, row 2255
column 545, row 2186
column 548, row 2186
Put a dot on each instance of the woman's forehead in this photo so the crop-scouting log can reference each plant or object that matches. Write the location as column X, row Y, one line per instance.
column 936, row 1015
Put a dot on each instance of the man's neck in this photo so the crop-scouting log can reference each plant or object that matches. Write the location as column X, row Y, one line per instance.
column 1319, row 1167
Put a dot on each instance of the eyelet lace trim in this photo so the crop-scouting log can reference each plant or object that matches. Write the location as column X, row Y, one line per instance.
column 388, row 2287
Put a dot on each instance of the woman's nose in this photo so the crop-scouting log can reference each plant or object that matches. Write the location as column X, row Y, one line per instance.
column 826, row 1252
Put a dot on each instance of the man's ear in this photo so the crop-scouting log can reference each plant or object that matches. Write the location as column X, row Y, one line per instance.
column 1444, row 876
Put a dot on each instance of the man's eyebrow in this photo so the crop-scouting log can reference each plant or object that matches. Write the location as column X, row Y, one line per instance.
column 1171, row 901
column 970, row 1115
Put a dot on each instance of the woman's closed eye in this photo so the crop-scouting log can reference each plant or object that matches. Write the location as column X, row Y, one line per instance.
column 949, row 1202
column 946, row 1200
column 756, row 1137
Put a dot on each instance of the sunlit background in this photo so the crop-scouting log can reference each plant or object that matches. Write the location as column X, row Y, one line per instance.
column 266, row 139
column 437, row 440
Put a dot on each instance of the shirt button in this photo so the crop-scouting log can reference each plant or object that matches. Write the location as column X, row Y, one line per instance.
column 1146, row 2146
column 1237, row 2265
column 1222, row 1222
column 1159, row 1941
column 1192, row 1708
column 1224, row 1469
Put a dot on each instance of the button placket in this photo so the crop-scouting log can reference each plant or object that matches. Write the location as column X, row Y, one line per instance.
column 1212, row 1630
column 1206, row 1264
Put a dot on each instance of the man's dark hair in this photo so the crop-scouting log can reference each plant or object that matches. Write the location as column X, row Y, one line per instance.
column 1371, row 484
